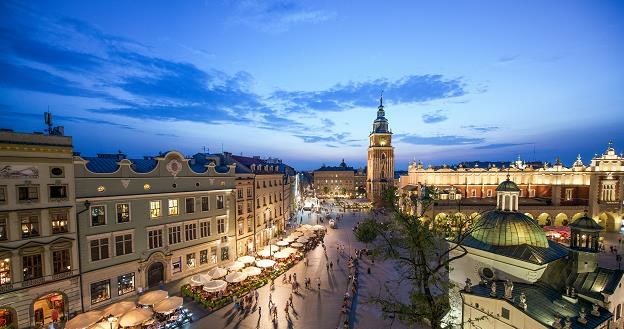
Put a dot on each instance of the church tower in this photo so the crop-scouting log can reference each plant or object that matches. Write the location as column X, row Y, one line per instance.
column 380, row 171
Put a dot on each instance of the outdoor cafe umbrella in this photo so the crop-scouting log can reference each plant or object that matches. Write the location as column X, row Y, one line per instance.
column 318, row 227
column 169, row 305
column 215, row 285
column 204, row 278
column 289, row 250
column 264, row 253
column 153, row 297
column 272, row 248
column 246, row 259
column 196, row 280
column 217, row 272
column 135, row 317
column 252, row 271
column 282, row 243
column 85, row 320
column 236, row 266
column 235, row 277
column 120, row 308
column 306, row 226
column 264, row 263
column 302, row 240
column 106, row 325
column 296, row 245
column 296, row 234
column 290, row 239
column 280, row 255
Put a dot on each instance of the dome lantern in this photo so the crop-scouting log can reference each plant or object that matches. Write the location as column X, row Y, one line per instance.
column 507, row 194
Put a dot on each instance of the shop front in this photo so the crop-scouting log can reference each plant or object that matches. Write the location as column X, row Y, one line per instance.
column 50, row 308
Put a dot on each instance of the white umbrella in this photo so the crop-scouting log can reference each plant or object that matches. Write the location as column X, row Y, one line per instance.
column 204, row 278
column 296, row 234
column 135, row 317
column 302, row 240
column 217, row 272
column 196, row 280
column 215, row 285
column 153, row 297
column 120, row 308
column 280, row 255
column 246, row 259
column 252, row 271
column 85, row 320
column 272, row 248
column 296, row 245
column 318, row 227
column 106, row 325
column 264, row 253
column 169, row 305
column 236, row 266
column 289, row 250
column 306, row 226
column 290, row 239
column 282, row 243
column 264, row 263
column 235, row 277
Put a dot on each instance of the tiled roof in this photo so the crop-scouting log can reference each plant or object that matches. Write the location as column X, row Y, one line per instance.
column 336, row 168
column 101, row 165
column 143, row 165
column 524, row 252
column 248, row 161
column 544, row 303
column 594, row 283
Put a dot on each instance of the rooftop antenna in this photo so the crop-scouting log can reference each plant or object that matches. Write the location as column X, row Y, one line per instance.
column 47, row 116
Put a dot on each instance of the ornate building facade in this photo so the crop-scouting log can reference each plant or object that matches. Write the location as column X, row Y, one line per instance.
column 39, row 265
column 552, row 195
column 380, row 169
column 144, row 222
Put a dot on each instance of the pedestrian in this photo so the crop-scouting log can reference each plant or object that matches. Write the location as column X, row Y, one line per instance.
column 270, row 299
column 331, row 266
column 327, row 266
column 338, row 260
column 259, row 311
column 290, row 299
column 305, row 261
column 318, row 283
column 289, row 278
column 295, row 277
column 257, row 295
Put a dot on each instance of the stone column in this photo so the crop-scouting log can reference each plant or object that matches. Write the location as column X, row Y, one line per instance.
column 16, row 266
column 15, row 227
column 47, row 260
column 45, row 226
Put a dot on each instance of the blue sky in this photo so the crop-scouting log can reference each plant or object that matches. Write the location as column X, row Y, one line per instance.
column 300, row 80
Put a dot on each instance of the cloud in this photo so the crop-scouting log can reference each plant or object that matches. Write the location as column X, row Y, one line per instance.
column 499, row 146
column 277, row 16
column 507, row 59
column 341, row 97
column 59, row 119
column 337, row 138
column 481, row 129
column 434, row 117
column 441, row 140
column 28, row 78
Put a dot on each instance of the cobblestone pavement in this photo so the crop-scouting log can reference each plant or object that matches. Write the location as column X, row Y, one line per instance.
column 314, row 308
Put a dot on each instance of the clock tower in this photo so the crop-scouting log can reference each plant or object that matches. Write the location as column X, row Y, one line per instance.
column 380, row 171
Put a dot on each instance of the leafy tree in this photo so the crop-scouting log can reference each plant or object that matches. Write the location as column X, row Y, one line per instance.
column 326, row 190
column 423, row 250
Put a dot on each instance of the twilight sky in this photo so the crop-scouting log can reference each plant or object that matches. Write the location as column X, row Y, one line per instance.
column 300, row 80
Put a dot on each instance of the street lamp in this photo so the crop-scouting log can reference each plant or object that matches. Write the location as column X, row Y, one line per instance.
column 111, row 319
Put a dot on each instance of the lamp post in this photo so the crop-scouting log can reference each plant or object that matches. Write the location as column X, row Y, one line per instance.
column 111, row 319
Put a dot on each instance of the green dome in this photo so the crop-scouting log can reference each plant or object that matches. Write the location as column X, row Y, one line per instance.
column 508, row 228
column 507, row 186
column 585, row 223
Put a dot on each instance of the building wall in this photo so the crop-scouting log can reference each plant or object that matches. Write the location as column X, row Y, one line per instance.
column 334, row 183
column 269, row 206
column 43, row 163
column 245, row 214
column 481, row 312
column 562, row 192
column 142, row 191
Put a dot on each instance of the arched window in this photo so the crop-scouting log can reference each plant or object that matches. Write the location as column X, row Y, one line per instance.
column 618, row 312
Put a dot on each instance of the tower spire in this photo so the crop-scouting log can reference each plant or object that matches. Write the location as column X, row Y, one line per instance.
column 381, row 99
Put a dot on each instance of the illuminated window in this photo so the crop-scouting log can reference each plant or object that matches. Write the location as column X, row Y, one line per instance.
column 213, row 255
column 569, row 194
column 58, row 192
column 101, row 189
column 100, row 291
column 32, row 267
column 154, row 209
column 204, row 229
column 220, row 225
column 30, row 225
column 59, row 222
column 203, row 257
column 125, row 284
column 123, row 212
column 190, row 260
column 5, row 271
column 174, row 210
column 98, row 215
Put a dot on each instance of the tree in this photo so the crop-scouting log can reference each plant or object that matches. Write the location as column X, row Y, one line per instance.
column 326, row 190
column 424, row 250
